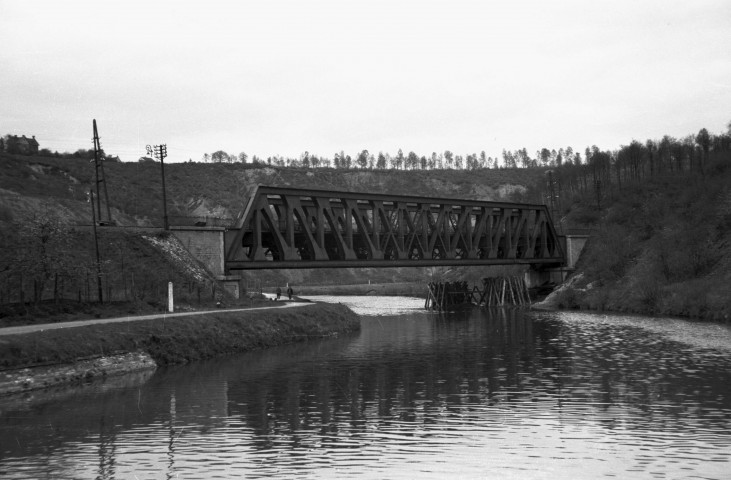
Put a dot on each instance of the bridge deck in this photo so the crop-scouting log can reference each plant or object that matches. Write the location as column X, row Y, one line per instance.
column 297, row 228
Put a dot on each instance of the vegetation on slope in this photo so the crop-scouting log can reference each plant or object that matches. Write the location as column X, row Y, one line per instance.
column 49, row 271
column 661, row 245
column 658, row 210
column 220, row 190
column 51, row 193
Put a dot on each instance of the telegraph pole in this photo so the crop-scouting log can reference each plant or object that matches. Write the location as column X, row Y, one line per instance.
column 160, row 152
column 96, row 248
column 99, row 165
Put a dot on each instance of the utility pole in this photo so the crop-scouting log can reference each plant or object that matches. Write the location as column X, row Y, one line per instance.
column 160, row 152
column 96, row 247
column 99, row 166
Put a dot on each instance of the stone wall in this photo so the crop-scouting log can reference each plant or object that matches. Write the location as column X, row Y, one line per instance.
column 205, row 244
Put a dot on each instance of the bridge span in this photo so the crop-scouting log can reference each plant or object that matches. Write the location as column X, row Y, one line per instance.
column 306, row 228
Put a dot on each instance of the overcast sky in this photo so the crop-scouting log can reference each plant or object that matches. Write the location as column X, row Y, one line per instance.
column 282, row 77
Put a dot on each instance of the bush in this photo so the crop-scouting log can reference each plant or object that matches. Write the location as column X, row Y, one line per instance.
column 597, row 299
column 649, row 296
column 584, row 215
column 718, row 165
column 687, row 299
column 608, row 253
column 6, row 214
column 568, row 298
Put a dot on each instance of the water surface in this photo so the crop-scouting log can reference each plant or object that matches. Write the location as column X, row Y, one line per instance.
column 476, row 394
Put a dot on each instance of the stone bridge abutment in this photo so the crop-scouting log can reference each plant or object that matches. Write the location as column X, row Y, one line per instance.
column 207, row 244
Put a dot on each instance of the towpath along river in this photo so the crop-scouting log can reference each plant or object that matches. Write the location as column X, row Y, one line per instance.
column 97, row 321
column 62, row 362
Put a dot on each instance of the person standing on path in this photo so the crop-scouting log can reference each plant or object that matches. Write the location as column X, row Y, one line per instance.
column 279, row 292
column 289, row 292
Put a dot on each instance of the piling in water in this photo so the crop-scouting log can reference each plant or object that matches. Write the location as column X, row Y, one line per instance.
column 499, row 291
column 496, row 291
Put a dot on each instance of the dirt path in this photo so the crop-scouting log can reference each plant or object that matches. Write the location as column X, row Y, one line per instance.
column 79, row 323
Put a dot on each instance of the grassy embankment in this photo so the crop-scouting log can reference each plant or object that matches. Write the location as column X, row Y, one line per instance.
column 180, row 339
column 135, row 270
column 660, row 247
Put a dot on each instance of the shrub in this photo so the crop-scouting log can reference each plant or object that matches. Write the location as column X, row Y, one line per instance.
column 649, row 296
column 568, row 298
column 6, row 214
column 687, row 299
column 608, row 253
column 596, row 299
column 585, row 215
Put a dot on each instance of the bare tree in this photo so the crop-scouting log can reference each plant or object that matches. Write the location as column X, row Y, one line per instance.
column 43, row 253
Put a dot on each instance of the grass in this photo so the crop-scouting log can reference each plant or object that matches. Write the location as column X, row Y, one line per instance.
column 70, row 310
column 135, row 274
column 180, row 339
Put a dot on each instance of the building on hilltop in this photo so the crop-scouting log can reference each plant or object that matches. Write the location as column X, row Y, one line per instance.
column 21, row 145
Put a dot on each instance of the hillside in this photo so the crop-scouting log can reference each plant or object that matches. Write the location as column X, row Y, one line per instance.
column 218, row 189
column 52, row 193
column 660, row 242
column 659, row 246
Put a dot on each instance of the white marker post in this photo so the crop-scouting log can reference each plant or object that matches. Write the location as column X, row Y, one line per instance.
column 171, row 308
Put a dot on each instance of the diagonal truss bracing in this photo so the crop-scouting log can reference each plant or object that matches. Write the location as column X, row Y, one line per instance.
column 297, row 228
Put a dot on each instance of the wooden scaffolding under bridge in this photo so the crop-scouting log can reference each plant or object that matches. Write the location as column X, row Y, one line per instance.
column 496, row 291
column 500, row 291
column 441, row 296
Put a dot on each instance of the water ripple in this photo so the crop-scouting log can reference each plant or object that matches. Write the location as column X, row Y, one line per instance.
column 414, row 395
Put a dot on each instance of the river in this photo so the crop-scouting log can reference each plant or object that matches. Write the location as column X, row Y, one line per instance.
column 472, row 394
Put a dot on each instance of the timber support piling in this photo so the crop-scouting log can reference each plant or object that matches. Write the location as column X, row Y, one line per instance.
column 496, row 291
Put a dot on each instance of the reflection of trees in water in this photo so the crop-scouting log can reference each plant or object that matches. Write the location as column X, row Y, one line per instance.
column 448, row 364
column 397, row 373
column 464, row 364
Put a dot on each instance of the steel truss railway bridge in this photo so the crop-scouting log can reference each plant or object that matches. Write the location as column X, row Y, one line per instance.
column 304, row 228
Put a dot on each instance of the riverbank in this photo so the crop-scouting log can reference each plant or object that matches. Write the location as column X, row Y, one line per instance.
column 70, row 311
column 167, row 341
column 570, row 295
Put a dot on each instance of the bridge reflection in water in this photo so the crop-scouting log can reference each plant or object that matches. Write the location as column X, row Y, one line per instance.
column 500, row 391
column 296, row 228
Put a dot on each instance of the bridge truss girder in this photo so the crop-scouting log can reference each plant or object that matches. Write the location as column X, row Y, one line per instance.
column 297, row 228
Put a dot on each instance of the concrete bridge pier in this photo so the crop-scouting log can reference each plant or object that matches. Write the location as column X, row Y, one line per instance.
column 207, row 245
column 573, row 245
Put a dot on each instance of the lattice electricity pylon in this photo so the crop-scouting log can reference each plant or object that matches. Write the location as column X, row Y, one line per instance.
column 296, row 228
